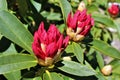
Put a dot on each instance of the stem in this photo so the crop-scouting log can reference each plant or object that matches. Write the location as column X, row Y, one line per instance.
column 40, row 71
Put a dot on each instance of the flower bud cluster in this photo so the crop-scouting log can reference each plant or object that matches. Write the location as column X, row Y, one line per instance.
column 79, row 25
column 48, row 45
column 114, row 9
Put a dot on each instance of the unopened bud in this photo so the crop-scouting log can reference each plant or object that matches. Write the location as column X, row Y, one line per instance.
column 107, row 70
column 81, row 6
column 33, row 23
column 67, row 58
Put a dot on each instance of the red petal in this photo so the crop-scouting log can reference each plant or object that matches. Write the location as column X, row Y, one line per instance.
column 51, row 50
column 69, row 18
column 38, row 51
column 42, row 34
column 44, row 37
column 88, row 20
column 60, row 42
column 65, row 41
column 82, row 16
column 53, row 34
column 81, row 25
column 41, row 28
column 92, row 21
column 86, row 30
column 74, row 20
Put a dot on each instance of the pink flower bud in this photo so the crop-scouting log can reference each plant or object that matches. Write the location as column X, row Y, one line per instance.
column 113, row 10
column 48, row 45
column 79, row 25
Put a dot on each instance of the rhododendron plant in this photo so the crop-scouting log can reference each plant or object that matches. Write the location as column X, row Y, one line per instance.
column 79, row 25
column 48, row 45
column 59, row 40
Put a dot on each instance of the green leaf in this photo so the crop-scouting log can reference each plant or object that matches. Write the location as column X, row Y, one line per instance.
column 101, row 2
column 100, row 60
column 14, row 30
column 100, row 76
column 52, row 76
column 3, row 5
column 1, row 36
column 92, row 8
column 54, row 16
column 115, row 66
column 61, row 28
column 78, row 51
column 105, row 49
column 15, row 75
column 10, row 50
column 69, row 48
column 65, row 7
column 117, row 23
column 36, row 5
column 51, row 15
column 14, row 62
column 115, row 77
column 77, row 69
column 104, row 20
column 36, row 78
column 66, row 77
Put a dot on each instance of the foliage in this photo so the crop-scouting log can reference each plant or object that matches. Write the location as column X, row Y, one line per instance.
column 83, row 60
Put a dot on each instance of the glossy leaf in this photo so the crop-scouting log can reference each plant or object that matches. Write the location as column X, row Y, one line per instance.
column 14, row 62
column 101, row 2
column 36, row 5
column 115, row 77
column 3, row 5
column 104, row 20
column 65, row 7
column 115, row 66
column 10, row 50
column 69, row 48
column 14, row 30
column 105, row 48
column 92, row 8
column 77, row 69
column 51, row 15
column 52, row 76
column 78, row 51
column 66, row 77
column 1, row 36
column 61, row 28
column 36, row 78
column 117, row 23
column 15, row 75
column 100, row 60
column 100, row 76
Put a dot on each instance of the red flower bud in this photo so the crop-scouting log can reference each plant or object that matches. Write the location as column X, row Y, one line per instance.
column 113, row 10
column 47, row 45
column 79, row 25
